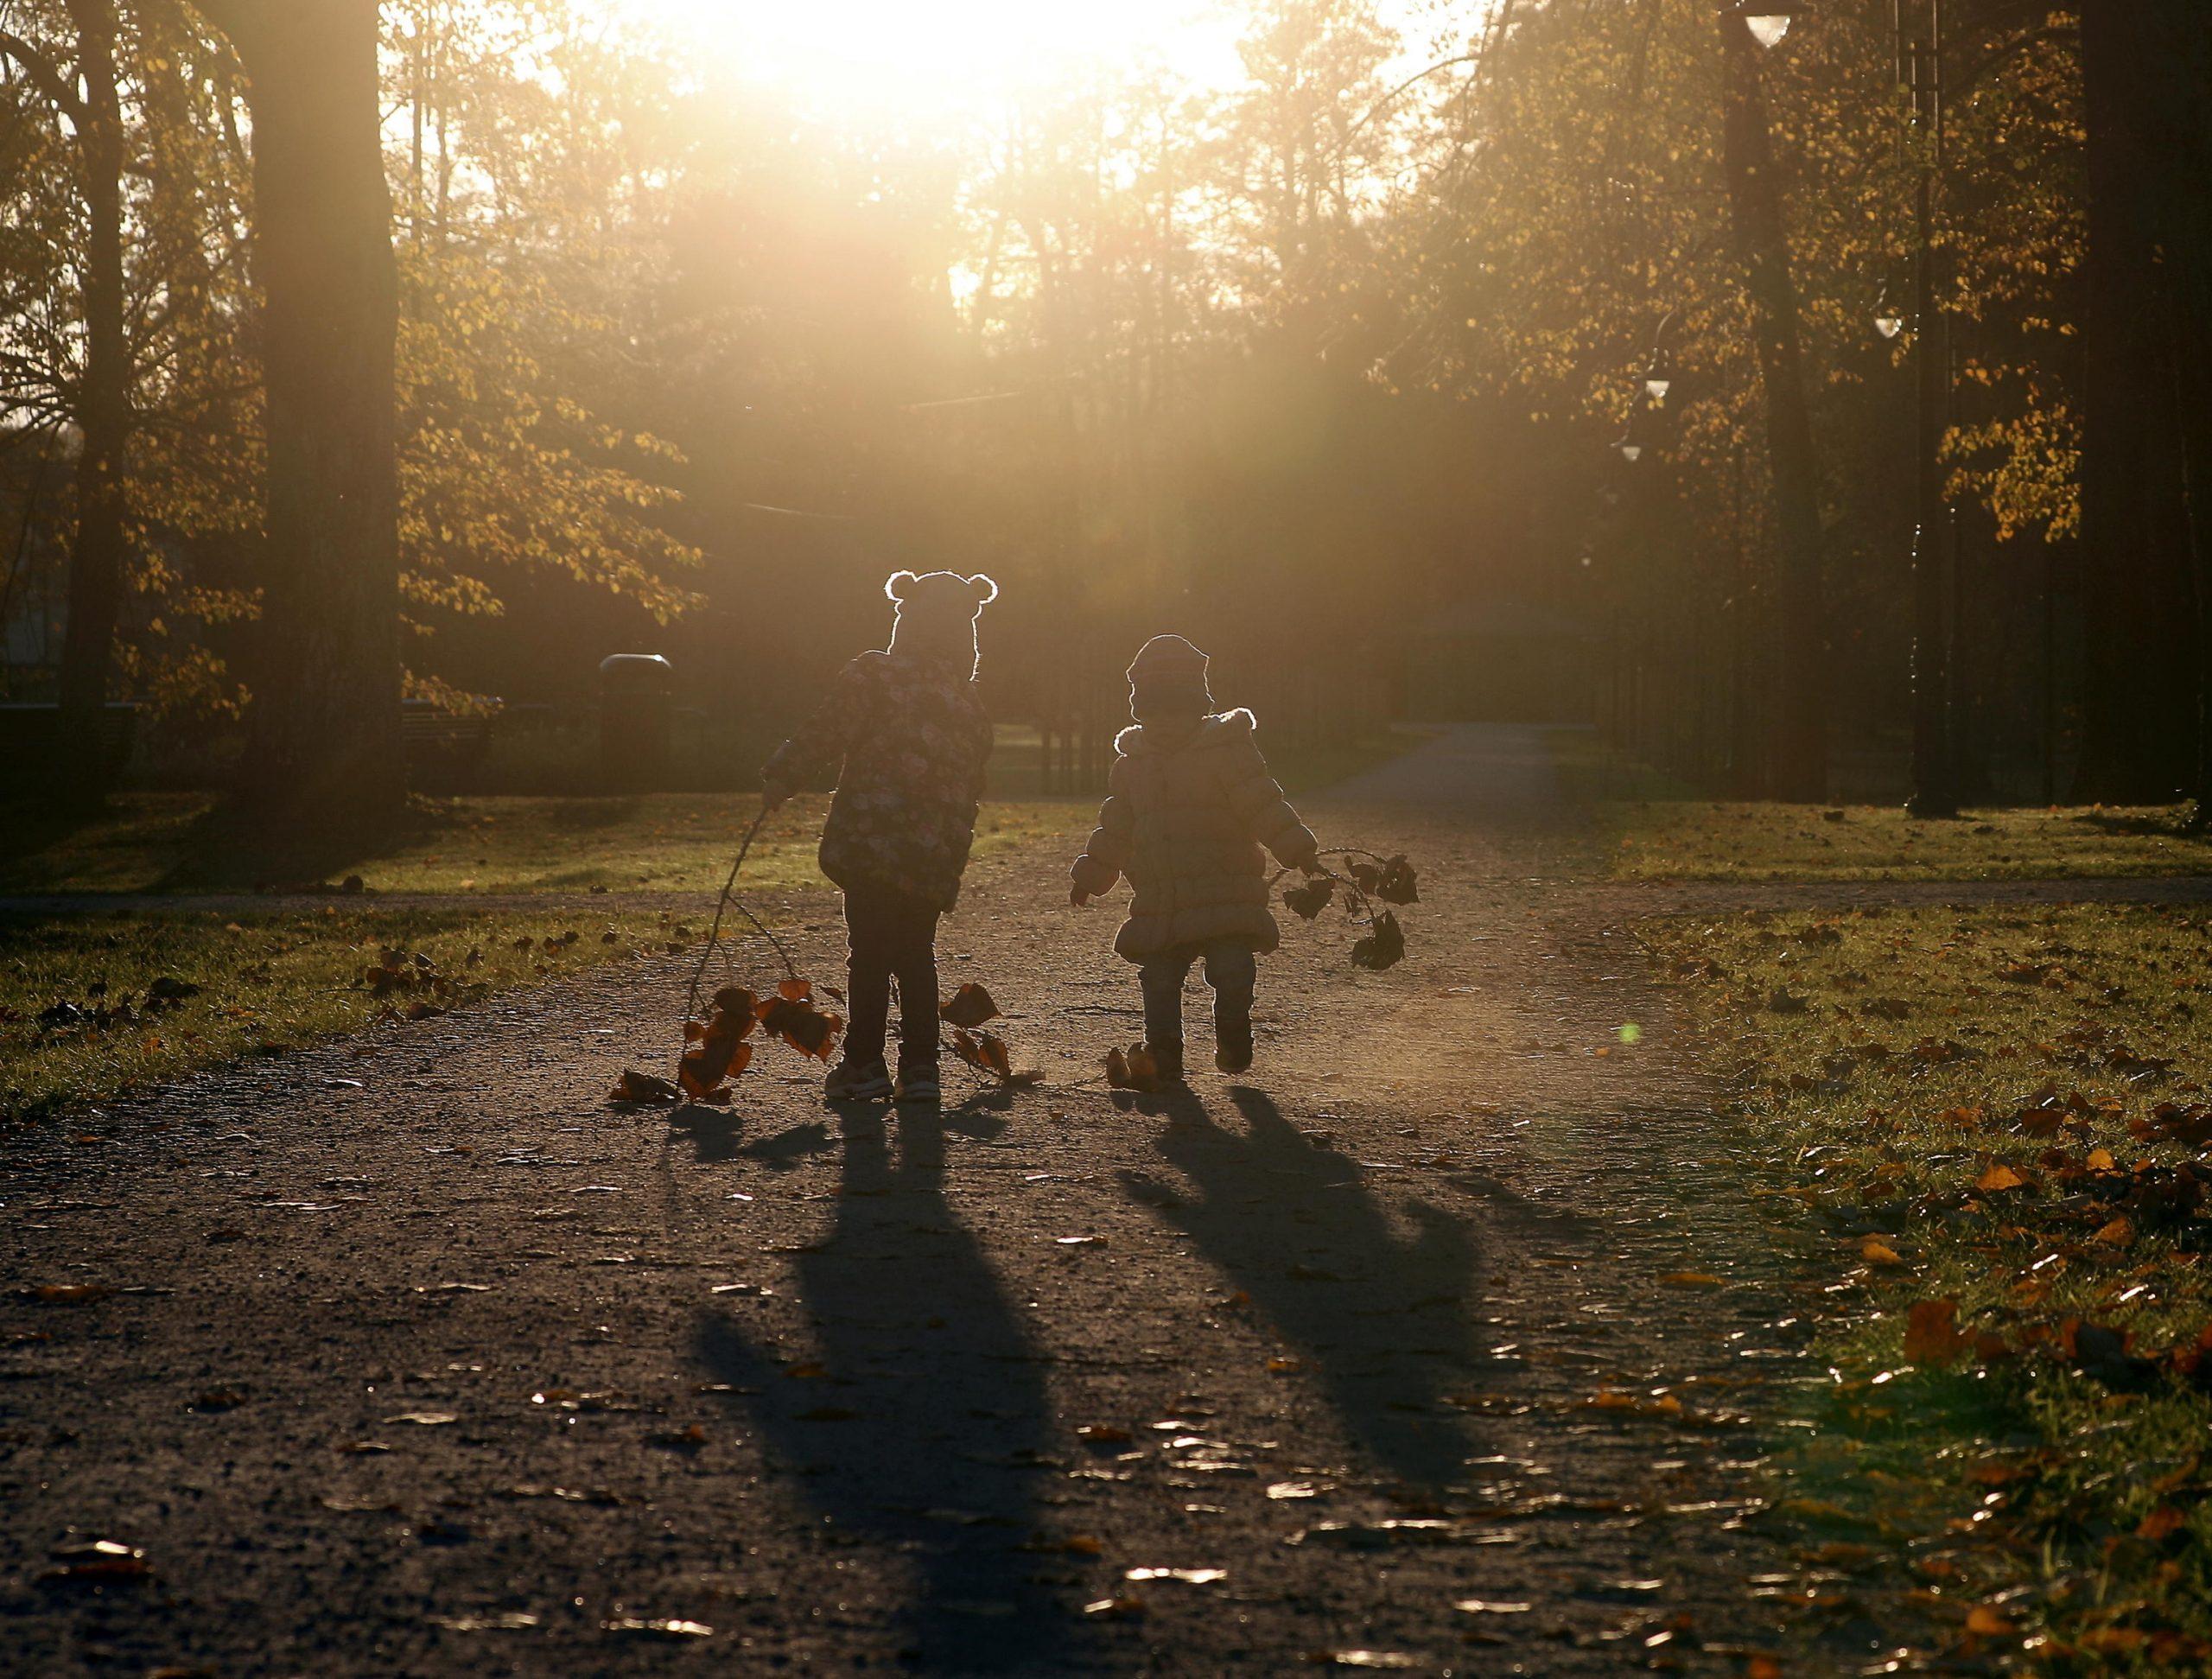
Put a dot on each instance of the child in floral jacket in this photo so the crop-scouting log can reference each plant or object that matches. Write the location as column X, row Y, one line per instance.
column 1189, row 804
column 912, row 739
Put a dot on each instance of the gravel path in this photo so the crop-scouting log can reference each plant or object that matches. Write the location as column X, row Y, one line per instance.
column 420, row 1359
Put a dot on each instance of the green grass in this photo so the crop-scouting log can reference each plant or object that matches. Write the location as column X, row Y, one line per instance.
column 676, row 842
column 1650, row 828
column 262, row 984
column 1892, row 1060
column 169, row 843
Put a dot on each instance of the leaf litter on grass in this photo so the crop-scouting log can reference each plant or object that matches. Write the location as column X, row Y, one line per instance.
column 2016, row 1126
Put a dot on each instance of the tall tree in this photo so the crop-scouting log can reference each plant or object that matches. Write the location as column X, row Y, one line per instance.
column 324, row 745
column 2179, row 50
column 2137, row 710
column 88, row 97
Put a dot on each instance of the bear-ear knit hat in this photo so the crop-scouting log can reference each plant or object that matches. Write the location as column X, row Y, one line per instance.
column 1168, row 679
column 936, row 614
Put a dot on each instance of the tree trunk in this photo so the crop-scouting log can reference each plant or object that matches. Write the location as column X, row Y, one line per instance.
column 1800, row 769
column 2181, row 136
column 82, row 772
column 323, row 750
column 2138, row 694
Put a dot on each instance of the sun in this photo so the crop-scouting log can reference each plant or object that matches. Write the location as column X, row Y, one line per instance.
column 908, row 59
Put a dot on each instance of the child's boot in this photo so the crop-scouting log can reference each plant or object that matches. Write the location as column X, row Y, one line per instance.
column 1232, row 1038
column 1233, row 974
column 1167, row 1062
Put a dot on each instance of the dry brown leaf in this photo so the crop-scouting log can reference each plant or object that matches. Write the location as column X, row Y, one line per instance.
column 1931, row 1335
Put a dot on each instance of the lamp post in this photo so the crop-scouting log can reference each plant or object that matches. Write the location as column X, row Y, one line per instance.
column 1749, row 29
column 1919, row 35
column 1920, row 72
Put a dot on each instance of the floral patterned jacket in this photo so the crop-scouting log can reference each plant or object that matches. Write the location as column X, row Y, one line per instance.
column 913, row 738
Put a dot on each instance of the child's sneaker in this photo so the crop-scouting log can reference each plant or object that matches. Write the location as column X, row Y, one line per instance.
column 1166, row 1063
column 918, row 1085
column 857, row 1081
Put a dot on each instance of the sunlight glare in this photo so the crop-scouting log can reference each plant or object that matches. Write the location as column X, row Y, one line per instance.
column 895, row 57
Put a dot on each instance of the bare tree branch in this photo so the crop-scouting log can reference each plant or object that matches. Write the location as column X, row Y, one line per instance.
column 43, row 73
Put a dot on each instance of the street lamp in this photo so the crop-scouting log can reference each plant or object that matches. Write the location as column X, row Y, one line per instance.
column 1920, row 69
column 1889, row 320
column 1768, row 21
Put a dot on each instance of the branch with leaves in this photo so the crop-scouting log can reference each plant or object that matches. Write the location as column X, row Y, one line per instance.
column 1366, row 877
column 718, row 1048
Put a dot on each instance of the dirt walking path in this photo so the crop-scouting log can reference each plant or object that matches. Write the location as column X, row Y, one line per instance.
column 418, row 1359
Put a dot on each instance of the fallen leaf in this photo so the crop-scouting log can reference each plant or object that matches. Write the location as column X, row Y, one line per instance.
column 2161, row 1523
column 1188, row 1576
column 1364, row 1658
column 1931, row 1335
column 101, row 1563
column 644, row 1089
column 66, row 1294
column 670, row 1630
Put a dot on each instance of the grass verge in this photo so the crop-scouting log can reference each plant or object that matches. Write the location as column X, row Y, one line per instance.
column 92, row 1007
column 1998, row 1117
column 677, row 843
column 1650, row 827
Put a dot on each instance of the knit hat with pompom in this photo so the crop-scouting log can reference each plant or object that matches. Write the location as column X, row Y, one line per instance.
column 1167, row 680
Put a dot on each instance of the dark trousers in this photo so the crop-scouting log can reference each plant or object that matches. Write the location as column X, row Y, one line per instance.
column 892, row 935
column 1231, row 970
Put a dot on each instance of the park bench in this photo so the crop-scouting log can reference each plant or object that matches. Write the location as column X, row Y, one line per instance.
column 445, row 748
column 30, row 741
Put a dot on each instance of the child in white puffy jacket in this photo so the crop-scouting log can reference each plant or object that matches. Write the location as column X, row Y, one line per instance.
column 1190, row 804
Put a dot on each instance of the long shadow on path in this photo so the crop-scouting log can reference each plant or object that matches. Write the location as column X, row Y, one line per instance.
column 925, row 1427
column 1383, row 1317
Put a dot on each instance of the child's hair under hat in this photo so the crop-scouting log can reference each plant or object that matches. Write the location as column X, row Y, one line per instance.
column 936, row 614
column 1168, row 679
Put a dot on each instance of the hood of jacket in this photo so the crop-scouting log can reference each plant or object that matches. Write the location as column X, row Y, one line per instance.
column 1143, row 739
